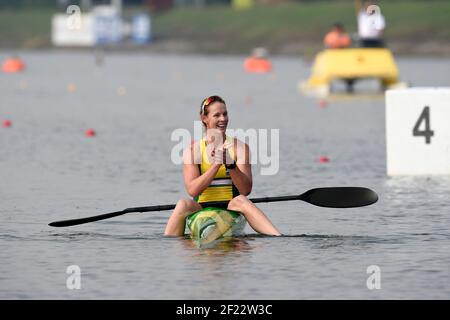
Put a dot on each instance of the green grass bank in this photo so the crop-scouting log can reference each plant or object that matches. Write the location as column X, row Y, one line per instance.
column 413, row 27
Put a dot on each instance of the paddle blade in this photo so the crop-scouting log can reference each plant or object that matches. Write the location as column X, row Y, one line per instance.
column 340, row 197
column 74, row 222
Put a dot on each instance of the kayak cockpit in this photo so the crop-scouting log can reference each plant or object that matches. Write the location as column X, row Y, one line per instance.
column 211, row 224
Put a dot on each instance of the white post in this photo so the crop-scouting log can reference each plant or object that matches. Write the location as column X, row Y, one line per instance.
column 418, row 131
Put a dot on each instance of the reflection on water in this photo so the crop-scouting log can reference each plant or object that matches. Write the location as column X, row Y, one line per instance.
column 355, row 97
column 250, row 242
column 422, row 191
column 402, row 183
column 220, row 246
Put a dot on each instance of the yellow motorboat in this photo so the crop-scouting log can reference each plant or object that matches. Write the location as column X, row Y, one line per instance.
column 350, row 65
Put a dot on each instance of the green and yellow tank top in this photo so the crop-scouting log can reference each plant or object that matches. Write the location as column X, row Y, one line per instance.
column 222, row 187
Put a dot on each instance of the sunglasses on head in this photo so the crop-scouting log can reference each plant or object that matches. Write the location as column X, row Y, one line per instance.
column 210, row 100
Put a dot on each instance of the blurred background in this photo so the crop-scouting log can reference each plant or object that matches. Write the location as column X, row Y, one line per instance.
column 227, row 26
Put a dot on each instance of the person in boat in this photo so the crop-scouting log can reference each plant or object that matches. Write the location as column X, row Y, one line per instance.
column 371, row 24
column 217, row 168
column 259, row 53
column 337, row 38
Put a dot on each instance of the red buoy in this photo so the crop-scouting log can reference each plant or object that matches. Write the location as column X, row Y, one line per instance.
column 7, row 123
column 90, row 133
column 324, row 159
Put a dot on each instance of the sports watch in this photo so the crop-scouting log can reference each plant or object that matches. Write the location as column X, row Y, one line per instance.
column 231, row 166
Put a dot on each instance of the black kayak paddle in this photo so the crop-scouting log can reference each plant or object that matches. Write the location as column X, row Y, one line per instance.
column 333, row 197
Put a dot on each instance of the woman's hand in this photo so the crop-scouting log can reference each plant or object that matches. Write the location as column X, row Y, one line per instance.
column 219, row 154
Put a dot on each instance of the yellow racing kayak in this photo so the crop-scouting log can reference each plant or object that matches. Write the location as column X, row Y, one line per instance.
column 212, row 223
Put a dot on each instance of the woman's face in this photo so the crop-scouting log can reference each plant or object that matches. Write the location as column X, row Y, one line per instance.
column 217, row 117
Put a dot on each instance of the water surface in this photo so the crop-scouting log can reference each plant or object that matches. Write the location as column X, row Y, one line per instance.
column 51, row 171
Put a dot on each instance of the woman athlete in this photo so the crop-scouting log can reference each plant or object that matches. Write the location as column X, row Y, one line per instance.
column 217, row 168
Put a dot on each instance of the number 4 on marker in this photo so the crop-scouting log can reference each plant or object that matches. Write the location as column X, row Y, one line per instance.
column 427, row 133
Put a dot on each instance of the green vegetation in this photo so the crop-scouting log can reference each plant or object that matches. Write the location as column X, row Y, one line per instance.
column 278, row 25
column 25, row 28
column 222, row 29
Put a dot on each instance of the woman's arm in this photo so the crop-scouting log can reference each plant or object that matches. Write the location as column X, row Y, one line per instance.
column 193, row 181
column 242, row 174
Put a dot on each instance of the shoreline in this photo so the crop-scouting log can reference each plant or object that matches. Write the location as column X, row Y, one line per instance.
column 413, row 28
column 430, row 48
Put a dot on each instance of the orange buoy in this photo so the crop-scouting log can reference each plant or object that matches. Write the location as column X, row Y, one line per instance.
column 259, row 65
column 13, row 65
column 71, row 87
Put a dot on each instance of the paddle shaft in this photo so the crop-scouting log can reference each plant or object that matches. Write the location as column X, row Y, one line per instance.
column 335, row 197
column 220, row 204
